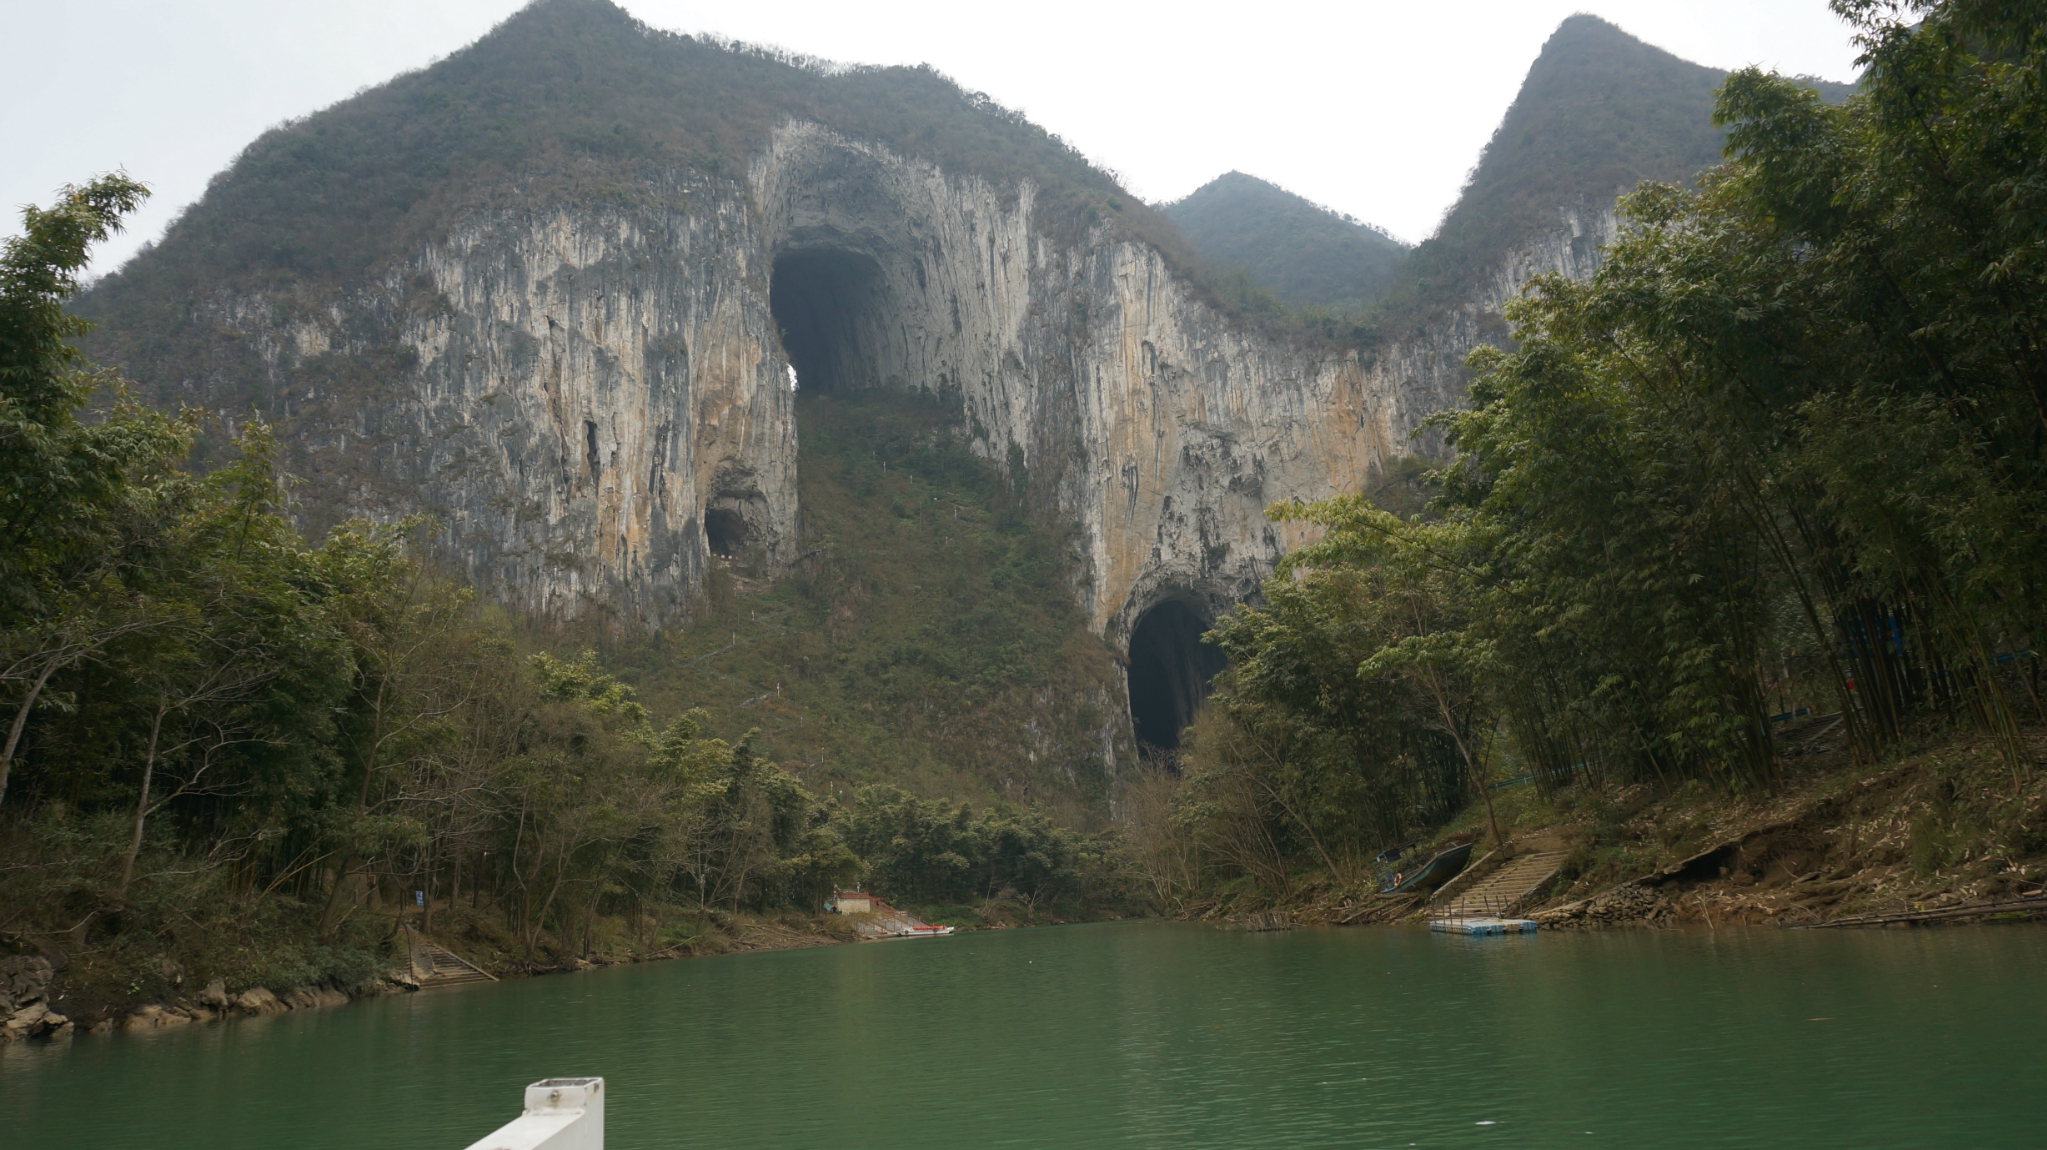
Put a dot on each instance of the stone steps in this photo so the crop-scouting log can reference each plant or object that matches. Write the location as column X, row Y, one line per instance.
column 440, row 966
column 1502, row 892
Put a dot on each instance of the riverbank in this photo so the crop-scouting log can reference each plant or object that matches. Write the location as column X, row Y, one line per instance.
column 1939, row 827
column 40, row 999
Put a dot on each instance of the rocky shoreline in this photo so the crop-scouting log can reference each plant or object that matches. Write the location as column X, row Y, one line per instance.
column 28, row 1010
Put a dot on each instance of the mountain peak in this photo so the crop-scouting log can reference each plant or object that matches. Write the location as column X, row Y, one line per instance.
column 1299, row 250
column 1599, row 112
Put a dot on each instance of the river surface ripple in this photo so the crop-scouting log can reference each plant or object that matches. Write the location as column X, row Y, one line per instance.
column 1135, row 1034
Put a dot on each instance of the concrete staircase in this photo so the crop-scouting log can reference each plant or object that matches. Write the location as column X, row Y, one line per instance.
column 436, row 965
column 1504, row 892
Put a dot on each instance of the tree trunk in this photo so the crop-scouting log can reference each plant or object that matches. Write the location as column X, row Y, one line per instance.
column 28, row 703
column 141, row 804
column 333, row 906
column 1470, row 764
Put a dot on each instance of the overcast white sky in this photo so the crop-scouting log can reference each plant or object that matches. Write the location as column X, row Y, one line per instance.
column 1377, row 109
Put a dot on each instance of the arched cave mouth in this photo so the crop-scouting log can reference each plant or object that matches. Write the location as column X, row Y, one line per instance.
column 826, row 301
column 726, row 532
column 1170, row 672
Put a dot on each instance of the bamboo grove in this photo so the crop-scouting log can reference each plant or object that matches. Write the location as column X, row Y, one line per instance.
column 1785, row 453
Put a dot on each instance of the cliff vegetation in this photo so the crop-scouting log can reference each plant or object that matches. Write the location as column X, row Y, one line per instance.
column 927, row 639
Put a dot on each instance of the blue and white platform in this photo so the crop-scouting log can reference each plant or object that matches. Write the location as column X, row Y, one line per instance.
column 1483, row 924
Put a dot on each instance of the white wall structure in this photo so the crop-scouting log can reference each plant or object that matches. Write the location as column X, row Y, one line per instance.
column 561, row 1114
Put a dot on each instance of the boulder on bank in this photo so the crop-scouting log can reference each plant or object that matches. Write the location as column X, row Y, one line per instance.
column 313, row 998
column 24, row 1000
column 257, row 1000
column 155, row 1016
column 23, row 979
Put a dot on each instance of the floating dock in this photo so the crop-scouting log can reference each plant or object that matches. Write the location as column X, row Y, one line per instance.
column 1483, row 924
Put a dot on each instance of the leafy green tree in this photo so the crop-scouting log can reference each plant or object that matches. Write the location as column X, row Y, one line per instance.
column 70, row 490
column 1785, row 449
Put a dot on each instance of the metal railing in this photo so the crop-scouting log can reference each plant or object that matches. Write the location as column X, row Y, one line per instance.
column 1479, row 906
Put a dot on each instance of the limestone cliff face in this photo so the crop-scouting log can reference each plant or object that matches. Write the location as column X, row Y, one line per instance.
column 592, row 397
column 1145, row 416
column 587, row 395
column 568, row 390
column 1424, row 373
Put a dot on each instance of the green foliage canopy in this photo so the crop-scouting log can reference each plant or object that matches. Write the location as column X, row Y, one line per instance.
column 1785, row 451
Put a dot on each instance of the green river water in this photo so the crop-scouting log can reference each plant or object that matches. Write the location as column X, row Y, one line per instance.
column 1134, row 1034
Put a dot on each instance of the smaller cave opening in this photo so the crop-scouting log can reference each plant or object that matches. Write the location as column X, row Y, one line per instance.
column 824, row 300
column 590, row 455
column 725, row 531
column 1171, row 668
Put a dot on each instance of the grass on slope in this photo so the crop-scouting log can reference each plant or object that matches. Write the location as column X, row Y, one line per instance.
column 928, row 638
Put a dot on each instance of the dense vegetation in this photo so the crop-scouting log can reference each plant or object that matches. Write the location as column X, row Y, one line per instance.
column 231, row 753
column 928, row 639
column 1301, row 252
column 1786, row 452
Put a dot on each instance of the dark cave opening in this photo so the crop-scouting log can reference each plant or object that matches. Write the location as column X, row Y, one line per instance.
column 1170, row 672
column 823, row 300
column 725, row 531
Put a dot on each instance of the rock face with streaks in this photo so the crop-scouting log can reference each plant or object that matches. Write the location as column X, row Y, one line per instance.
column 571, row 392
column 594, row 399
column 593, row 393
column 1424, row 372
column 1141, row 413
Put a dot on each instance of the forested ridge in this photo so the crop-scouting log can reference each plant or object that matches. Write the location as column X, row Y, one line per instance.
column 1598, row 112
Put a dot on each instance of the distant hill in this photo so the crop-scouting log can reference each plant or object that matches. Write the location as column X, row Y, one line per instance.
column 1599, row 112
column 1300, row 251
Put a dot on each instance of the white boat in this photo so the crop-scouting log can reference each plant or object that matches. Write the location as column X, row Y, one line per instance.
column 924, row 932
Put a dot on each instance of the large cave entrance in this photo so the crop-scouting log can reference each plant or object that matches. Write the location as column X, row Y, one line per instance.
column 726, row 531
column 828, row 304
column 1170, row 671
